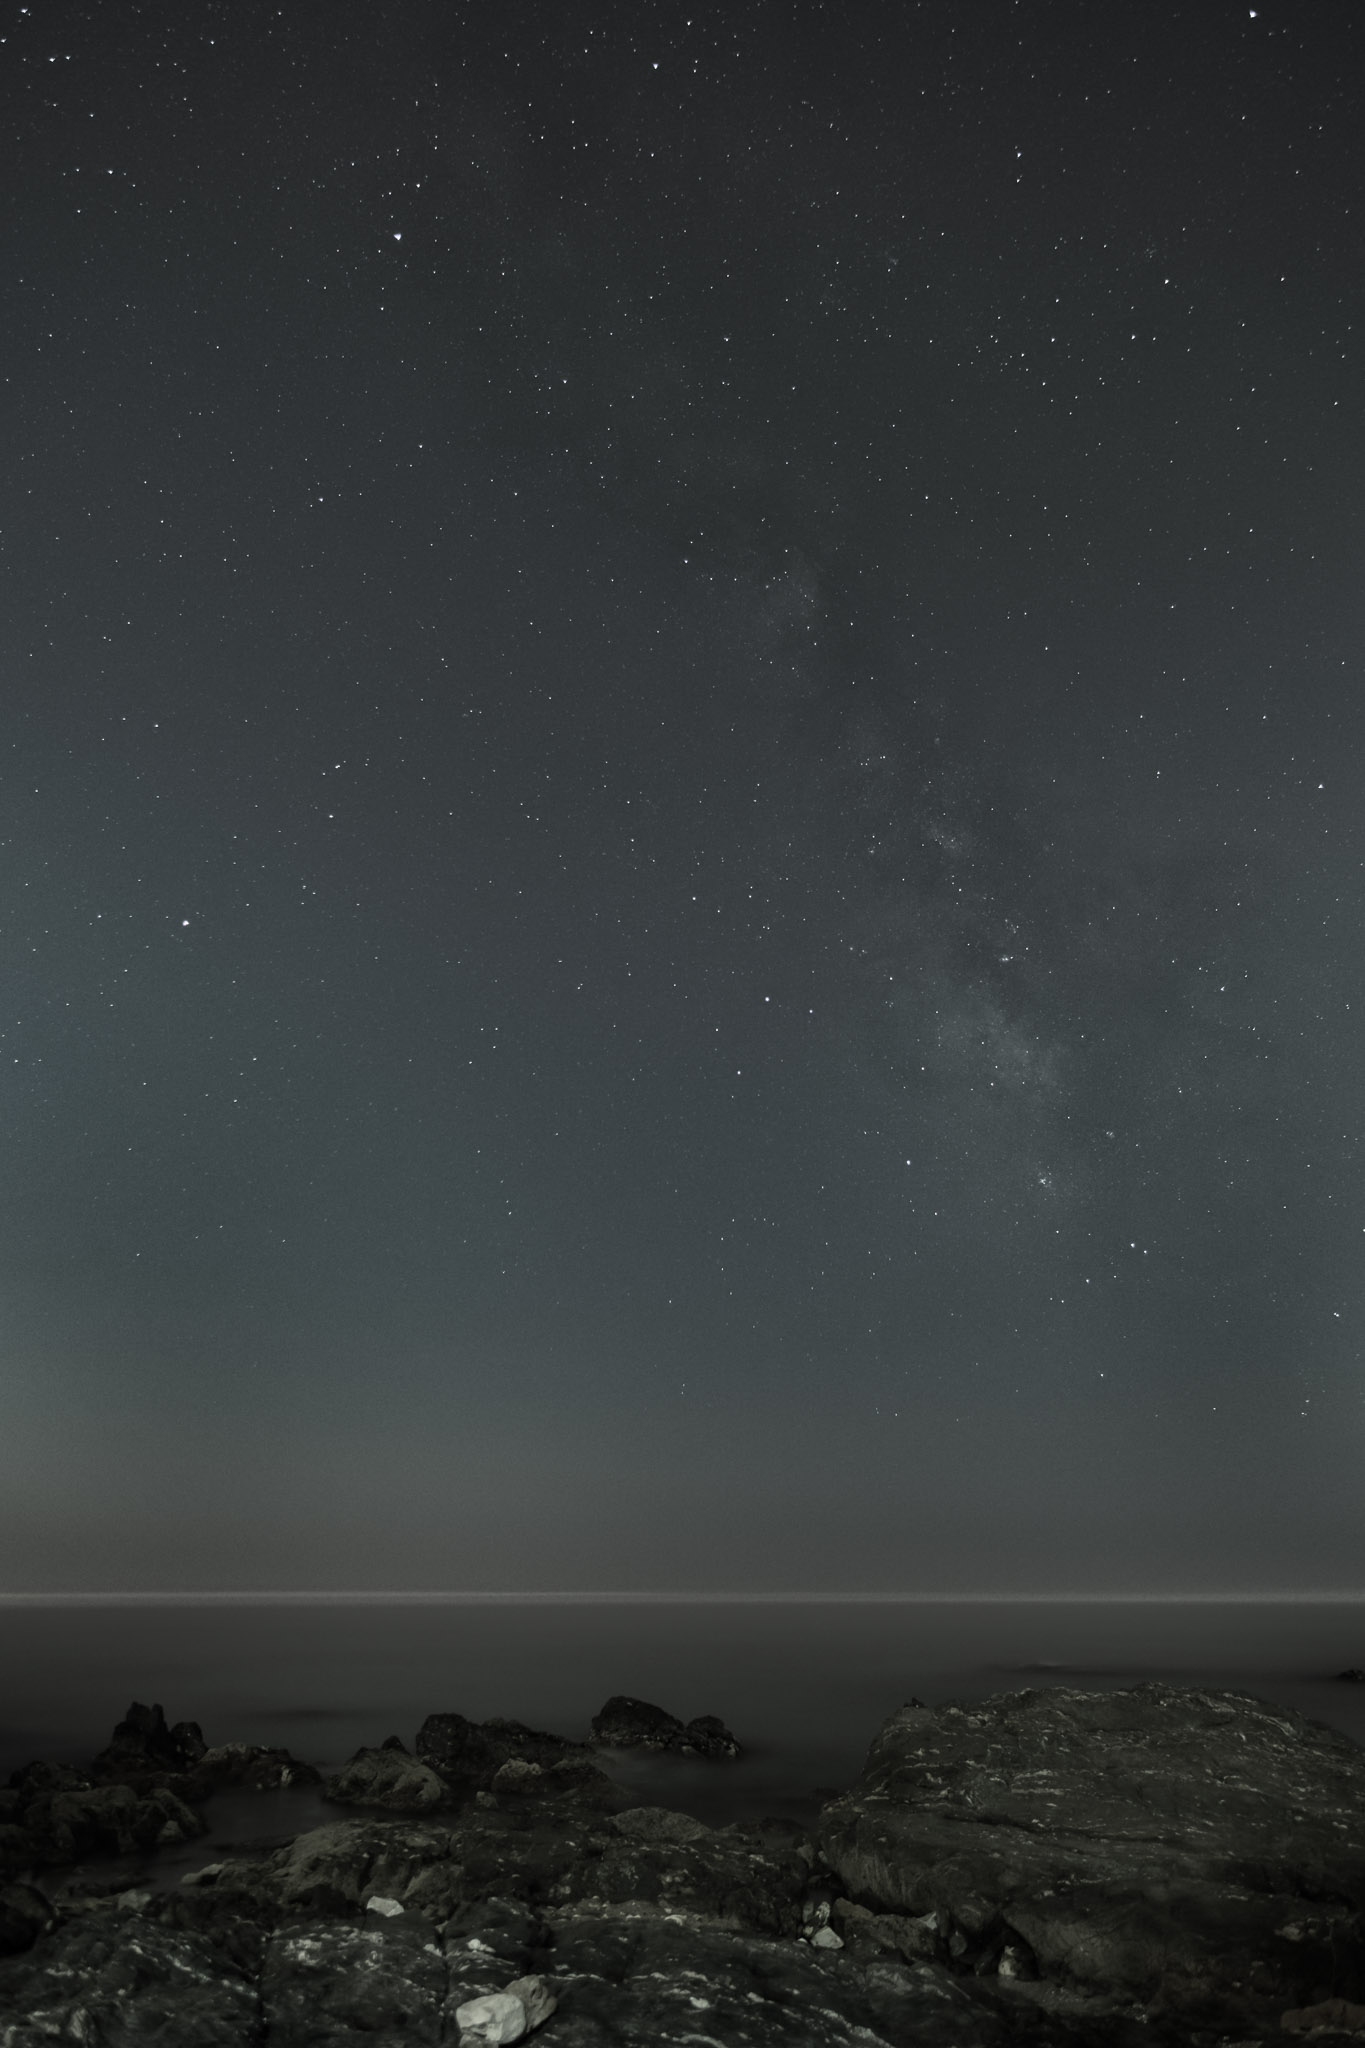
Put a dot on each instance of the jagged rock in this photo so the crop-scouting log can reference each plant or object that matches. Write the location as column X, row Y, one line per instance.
column 387, row 1777
column 1355, row 1676
column 625, row 1723
column 142, row 1744
column 1198, row 1853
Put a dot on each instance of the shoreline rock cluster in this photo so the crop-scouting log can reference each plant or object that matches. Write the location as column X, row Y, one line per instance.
column 1162, row 1865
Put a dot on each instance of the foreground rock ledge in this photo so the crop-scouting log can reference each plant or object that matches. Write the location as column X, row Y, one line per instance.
column 1154, row 1866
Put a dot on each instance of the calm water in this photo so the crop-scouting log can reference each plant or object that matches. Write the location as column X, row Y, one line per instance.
column 803, row 1686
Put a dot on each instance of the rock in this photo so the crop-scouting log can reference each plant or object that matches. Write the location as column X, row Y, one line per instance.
column 505, row 2015
column 537, row 1998
column 64, row 1817
column 708, row 1736
column 336, row 1983
column 641, row 1939
column 1332, row 2016
column 253, row 1766
column 25, row 1913
column 634, row 1724
column 1176, row 1851
column 1159, row 1867
column 111, row 1977
column 1355, row 1676
column 467, row 1753
column 142, row 1744
column 914, row 1941
column 498, row 2018
column 660, row 1824
column 387, row 1777
column 517, row 1775
column 574, row 1779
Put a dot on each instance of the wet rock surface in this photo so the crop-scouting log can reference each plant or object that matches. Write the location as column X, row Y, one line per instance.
column 1159, row 1866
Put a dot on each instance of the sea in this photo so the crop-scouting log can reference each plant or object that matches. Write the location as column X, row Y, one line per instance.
column 804, row 1683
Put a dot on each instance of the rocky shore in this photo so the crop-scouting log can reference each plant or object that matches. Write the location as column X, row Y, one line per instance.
column 1161, row 1865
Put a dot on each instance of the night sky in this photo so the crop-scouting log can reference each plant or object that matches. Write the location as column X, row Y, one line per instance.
column 681, row 744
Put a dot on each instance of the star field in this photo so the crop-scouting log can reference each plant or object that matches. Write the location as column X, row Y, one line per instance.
column 679, row 793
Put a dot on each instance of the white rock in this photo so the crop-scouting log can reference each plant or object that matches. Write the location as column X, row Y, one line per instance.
column 536, row 1995
column 491, row 2021
column 516, row 1774
column 388, row 1907
column 825, row 1937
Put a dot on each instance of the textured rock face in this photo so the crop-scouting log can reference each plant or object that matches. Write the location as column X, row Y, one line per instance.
column 1160, row 1868
column 1190, row 1852
column 648, row 1930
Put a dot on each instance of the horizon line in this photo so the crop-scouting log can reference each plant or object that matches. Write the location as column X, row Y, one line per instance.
column 406, row 1597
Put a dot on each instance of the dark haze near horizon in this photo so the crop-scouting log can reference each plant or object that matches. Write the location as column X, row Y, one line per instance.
column 681, row 765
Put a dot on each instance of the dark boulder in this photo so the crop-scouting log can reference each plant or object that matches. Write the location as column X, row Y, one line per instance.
column 145, row 1754
column 61, row 1815
column 143, row 1745
column 1354, row 1676
column 468, row 1753
column 1198, row 1854
column 626, row 1723
column 708, row 1736
column 389, row 1778
column 25, row 1913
